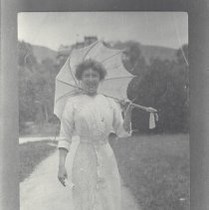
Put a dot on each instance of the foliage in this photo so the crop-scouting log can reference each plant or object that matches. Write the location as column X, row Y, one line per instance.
column 164, row 86
column 135, row 61
column 36, row 87
column 132, row 58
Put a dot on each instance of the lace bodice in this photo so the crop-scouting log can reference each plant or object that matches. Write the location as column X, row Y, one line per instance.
column 91, row 118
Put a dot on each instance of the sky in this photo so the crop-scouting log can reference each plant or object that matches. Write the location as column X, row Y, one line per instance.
column 51, row 29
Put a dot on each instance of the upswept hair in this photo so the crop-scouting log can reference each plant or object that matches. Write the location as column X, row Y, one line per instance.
column 87, row 64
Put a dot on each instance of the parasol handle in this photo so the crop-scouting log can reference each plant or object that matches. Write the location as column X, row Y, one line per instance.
column 148, row 109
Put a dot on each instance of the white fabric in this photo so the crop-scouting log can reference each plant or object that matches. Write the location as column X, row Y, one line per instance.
column 153, row 118
column 151, row 121
column 94, row 172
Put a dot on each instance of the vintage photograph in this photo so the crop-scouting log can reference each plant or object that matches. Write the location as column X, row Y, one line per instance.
column 103, row 111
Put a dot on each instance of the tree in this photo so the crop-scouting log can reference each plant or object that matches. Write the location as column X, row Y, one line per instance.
column 26, row 57
column 27, row 65
column 133, row 59
column 182, row 55
column 162, row 87
column 36, row 86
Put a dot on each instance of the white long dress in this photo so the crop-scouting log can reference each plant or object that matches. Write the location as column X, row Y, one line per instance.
column 95, row 172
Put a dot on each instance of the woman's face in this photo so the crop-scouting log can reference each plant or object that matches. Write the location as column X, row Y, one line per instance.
column 90, row 80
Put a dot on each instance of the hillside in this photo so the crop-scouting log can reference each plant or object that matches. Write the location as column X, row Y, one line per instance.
column 148, row 51
column 42, row 53
column 163, row 53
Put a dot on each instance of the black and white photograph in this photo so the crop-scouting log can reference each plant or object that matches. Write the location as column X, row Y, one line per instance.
column 103, row 110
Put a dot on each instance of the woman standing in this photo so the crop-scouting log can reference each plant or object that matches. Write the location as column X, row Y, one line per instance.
column 92, row 117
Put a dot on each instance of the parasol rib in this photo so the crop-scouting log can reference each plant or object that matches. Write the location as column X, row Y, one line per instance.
column 119, row 78
column 69, row 67
column 69, row 93
column 87, row 52
column 111, row 57
column 74, row 86
column 66, row 83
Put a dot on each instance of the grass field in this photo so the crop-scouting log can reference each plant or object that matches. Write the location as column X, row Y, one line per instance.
column 155, row 168
column 31, row 154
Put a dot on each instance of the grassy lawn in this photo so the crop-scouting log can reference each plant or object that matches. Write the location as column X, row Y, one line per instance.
column 156, row 169
column 31, row 154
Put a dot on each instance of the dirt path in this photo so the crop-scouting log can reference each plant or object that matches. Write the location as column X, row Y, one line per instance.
column 42, row 190
column 38, row 138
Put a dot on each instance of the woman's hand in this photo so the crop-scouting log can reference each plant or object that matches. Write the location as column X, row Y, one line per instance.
column 124, row 104
column 62, row 175
column 127, row 110
column 112, row 136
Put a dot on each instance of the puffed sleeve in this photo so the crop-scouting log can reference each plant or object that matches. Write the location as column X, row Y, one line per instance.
column 118, row 121
column 67, row 126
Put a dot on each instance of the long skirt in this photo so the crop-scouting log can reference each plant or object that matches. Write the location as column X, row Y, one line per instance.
column 96, row 178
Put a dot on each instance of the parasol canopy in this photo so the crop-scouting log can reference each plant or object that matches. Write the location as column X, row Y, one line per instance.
column 115, row 84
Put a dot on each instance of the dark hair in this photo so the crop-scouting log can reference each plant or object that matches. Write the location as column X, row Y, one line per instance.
column 87, row 64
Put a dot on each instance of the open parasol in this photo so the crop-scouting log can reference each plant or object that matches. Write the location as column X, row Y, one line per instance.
column 115, row 84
